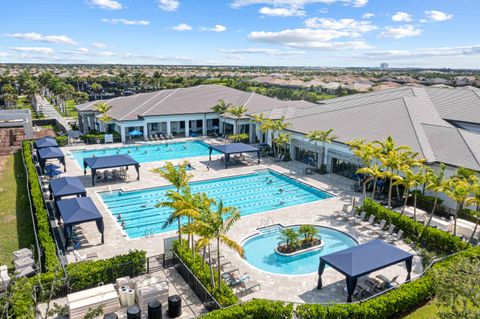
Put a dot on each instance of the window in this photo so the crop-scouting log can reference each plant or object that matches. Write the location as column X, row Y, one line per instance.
column 305, row 156
column 344, row 168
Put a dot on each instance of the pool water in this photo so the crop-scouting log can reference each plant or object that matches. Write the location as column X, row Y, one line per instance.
column 252, row 193
column 150, row 152
column 259, row 251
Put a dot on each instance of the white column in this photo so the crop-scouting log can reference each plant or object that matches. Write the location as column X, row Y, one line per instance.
column 235, row 128
column 252, row 133
column 169, row 128
column 187, row 128
column 122, row 133
column 145, row 130
column 204, row 127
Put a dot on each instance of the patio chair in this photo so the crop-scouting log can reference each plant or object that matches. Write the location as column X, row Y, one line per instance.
column 389, row 231
column 359, row 218
column 389, row 283
column 249, row 285
column 343, row 212
column 86, row 257
column 379, row 227
column 352, row 216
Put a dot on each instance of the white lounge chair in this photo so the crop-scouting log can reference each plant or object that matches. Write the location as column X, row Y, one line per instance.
column 396, row 236
column 389, row 231
column 359, row 218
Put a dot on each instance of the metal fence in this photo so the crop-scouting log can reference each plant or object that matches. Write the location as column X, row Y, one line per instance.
column 208, row 301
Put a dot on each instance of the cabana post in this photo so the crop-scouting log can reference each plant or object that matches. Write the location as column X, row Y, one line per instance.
column 233, row 148
column 358, row 261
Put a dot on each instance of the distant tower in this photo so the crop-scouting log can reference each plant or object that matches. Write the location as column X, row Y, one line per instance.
column 384, row 66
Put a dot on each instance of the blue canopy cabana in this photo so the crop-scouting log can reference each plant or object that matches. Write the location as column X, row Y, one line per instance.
column 45, row 142
column 51, row 153
column 358, row 261
column 66, row 186
column 76, row 211
column 233, row 148
column 135, row 133
column 112, row 161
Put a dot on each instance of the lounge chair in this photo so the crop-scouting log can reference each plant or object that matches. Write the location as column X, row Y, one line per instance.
column 360, row 218
column 389, row 283
column 342, row 212
column 352, row 216
column 86, row 257
column 389, row 231
column 370, row 221
column 396, row 236
column 279, row 158
column 229, row 269
column 379, row 227
column 249, row 285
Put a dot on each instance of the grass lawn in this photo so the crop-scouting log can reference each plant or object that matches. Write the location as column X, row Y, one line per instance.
column 428, row 311
column 15, row 219
column 72, row 112
column 23, row 103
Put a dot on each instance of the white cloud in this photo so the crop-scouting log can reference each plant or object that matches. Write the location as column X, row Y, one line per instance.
column 281, row 12
column 168, row 5
column 105, row 53
column 4, row 54
column 297, row 3
column 83, row 50
column 401, row 17
column 126, row 21
column 368, row 15
column 308, row 39
column 400, row 32
column 435, row 15
column 182, row 27
column 356, row 28
column 266, row 51
column 33, row 36
column 40, row 50
column 216, row 28
column 426, row 52
column 99, row 45
column 106, row 4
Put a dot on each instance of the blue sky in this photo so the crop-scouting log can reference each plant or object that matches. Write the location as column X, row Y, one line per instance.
column 404, row 33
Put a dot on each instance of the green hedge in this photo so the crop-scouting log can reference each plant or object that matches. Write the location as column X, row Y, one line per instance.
column 433, row 239
column 225, row 295
column 62, row 140
column 392, row 304
column 88, row 274
column 257, row 308
column 468, row 214
column 42, row 222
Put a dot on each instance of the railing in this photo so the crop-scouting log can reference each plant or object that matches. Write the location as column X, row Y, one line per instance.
column 208, row 301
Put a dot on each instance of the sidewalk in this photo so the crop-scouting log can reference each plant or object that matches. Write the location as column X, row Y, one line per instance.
column 50, row 112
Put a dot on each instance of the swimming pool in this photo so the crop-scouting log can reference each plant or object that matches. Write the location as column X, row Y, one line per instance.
column 259, row 251
column 150, row 152
column 251, row 193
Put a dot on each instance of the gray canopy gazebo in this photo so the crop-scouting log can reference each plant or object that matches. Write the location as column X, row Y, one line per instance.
column 66, row 186
column 233, row 148
column 358, row 261
column 112, row 161
column 78, row 210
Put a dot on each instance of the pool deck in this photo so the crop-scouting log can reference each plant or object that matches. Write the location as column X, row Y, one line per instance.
column 300, row 289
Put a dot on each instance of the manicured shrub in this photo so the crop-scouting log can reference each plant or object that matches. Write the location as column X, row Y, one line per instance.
column 42, row 223
column 257, row 308
column 89, row 274
column 225, row 295
column 62, row 140
column 433, row 239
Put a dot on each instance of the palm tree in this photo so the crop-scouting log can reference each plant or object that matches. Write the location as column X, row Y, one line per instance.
column 263, row 124
column 9, row 95
column 282, row 140
column 179, row 178
column 237, row 112
column 277, row 125
column 30, row 88
column 103, row 109
column 437, row 184
column 366, row 154
column 221, row 108
column 457, row 189
column 96, row 87
column 323, row 137
column 289, row 236
column 410, row 180
column 474, row 200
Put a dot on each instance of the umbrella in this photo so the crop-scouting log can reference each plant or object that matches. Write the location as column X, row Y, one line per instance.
column 135, row 133
column 52, row 171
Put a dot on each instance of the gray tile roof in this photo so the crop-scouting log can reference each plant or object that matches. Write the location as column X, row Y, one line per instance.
column 197, row 99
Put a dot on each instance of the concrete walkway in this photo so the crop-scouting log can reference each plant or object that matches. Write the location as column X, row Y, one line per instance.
column 50, row 112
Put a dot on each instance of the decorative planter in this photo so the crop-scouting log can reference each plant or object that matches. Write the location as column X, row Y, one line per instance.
column 300, row 251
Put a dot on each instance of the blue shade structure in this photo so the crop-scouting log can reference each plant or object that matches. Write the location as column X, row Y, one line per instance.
column 233, row 148
column 112, row 161
column 45, row 142
column 66, row 186
column 47, row 153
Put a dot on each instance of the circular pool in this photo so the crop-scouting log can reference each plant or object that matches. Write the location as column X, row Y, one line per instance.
column 259, row 251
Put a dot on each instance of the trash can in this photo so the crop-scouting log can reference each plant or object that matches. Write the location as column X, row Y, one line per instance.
column 174, row 306
column 110, row 316
column 154, row 310
column 134, row 312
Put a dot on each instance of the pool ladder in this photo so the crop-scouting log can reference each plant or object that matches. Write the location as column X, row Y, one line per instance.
column 266, row 221
column 149, row 231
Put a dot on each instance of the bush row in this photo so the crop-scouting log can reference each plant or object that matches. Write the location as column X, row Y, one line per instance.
column 257, row 308
column 42, row 222
column 426, row 202
column 225, row 295
column 392, row 304
column 62, row 140
column 433, row 239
